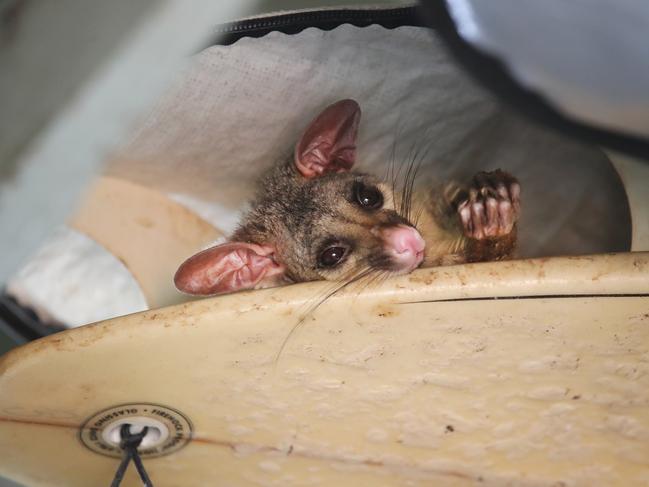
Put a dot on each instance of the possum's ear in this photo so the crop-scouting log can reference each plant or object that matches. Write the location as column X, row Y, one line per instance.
column 227, row 268
column 329, row 143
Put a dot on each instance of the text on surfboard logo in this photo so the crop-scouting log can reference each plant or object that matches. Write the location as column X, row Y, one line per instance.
column 168, row 429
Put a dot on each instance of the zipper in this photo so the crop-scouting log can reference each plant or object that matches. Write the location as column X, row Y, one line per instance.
column 325, row 19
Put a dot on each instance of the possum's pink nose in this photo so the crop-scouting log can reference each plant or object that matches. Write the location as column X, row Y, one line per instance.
column 405, row 245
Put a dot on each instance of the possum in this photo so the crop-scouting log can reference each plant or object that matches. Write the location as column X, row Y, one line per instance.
column 315, row 218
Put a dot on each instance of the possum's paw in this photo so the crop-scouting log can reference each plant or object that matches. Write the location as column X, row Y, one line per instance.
column 491, row 206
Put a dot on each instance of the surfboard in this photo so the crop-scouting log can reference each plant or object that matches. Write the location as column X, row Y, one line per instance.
column 531, row 372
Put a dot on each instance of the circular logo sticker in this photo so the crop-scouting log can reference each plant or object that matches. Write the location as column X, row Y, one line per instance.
column 168, row 430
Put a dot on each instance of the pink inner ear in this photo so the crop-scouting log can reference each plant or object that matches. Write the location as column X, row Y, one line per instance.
column 226, row 268
column 329, row 143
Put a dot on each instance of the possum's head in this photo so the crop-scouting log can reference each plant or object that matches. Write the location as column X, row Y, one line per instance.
column 316, row 220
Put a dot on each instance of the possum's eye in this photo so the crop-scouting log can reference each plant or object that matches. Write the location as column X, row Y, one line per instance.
column 368, row 196
column 332, row 256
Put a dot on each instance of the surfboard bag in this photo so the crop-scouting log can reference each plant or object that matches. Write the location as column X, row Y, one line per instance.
column 528, row 372
column 433, row 82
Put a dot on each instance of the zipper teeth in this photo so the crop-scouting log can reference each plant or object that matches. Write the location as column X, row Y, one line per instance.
column 342, row 15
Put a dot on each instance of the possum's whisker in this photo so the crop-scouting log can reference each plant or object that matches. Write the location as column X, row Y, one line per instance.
column 377, row 276
column 389, row 170
column 338, row 286
column 420, row 212
column 311, row 309
column 406, row 190
column 392, row 176
column 365, row 280
column 402, row 201
column 361, row 281
column 414, row 165
column 408, row 184
column 411, row 185
column 397, row 182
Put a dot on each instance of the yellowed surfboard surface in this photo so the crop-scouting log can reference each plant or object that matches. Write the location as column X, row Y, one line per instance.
column 150, row 233
column 528, row 373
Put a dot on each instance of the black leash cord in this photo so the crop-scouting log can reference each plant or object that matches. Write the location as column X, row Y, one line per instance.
column 129, row 445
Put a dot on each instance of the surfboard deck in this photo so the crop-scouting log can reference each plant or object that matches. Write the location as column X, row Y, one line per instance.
column 531, row 372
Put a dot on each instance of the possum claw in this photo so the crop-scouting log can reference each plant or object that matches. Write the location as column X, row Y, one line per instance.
column 491, row 207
